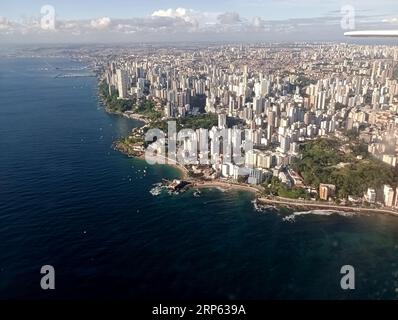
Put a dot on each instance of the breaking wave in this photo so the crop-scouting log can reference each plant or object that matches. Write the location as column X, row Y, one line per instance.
column 262, row 207
column 292, row 217
column 157, row 189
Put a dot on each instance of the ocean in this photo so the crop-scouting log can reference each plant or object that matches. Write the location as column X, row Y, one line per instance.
column 67, row 199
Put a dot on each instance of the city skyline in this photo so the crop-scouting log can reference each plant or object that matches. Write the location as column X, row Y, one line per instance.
column 174, row 21
column 302, row 93
column 162, row 152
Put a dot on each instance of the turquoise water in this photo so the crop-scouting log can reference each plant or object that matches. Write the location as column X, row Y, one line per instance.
column 68, row 200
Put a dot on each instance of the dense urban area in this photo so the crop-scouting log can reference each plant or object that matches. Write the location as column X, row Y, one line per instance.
column 320, row 119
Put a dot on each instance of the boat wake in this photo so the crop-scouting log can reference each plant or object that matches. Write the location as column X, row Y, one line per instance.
column 292, row 217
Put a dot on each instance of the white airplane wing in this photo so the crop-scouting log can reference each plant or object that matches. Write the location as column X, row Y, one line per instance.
column 373, row 33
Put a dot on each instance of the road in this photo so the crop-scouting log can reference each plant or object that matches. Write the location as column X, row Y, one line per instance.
column 314, row 204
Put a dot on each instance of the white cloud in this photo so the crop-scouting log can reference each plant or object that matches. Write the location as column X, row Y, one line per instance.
column 101, row 23
column 69, row 25
column 179, row 12
column 188, row 24
column 187, row 15
column 390, row 20
column 229, row 18
column 258, row 22
column 5, row 24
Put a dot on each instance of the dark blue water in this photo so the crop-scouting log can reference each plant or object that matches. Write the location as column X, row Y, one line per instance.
column 68, row 200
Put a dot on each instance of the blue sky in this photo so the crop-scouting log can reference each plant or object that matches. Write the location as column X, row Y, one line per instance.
column 84, row 20
column 272, row 9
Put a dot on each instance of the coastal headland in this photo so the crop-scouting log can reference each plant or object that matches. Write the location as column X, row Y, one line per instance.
column 133, row 146
column 297, row 204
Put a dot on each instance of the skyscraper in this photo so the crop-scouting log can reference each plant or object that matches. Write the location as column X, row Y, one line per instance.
column 122, row 83
column 388, row 193
column 222, row 120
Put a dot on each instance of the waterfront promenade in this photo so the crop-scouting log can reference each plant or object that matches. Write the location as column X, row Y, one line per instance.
column 322, row 205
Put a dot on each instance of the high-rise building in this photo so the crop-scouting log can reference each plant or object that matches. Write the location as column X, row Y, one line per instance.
column 258, row 105
column 321, row 100
column 265, row 87
column 122, row 83
column 222, row 120
column 256, row 176
column 396, row 198
column 371, row 195
column 285, row 144
column 326, row 191
column 388, row 194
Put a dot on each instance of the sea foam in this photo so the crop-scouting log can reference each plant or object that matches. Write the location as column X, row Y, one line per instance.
column 292, row 217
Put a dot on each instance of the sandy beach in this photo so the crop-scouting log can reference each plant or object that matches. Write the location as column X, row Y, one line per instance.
column 223, row 185
column 172, row 163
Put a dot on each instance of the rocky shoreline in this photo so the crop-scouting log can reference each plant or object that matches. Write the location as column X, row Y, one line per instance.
column 135, row 151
